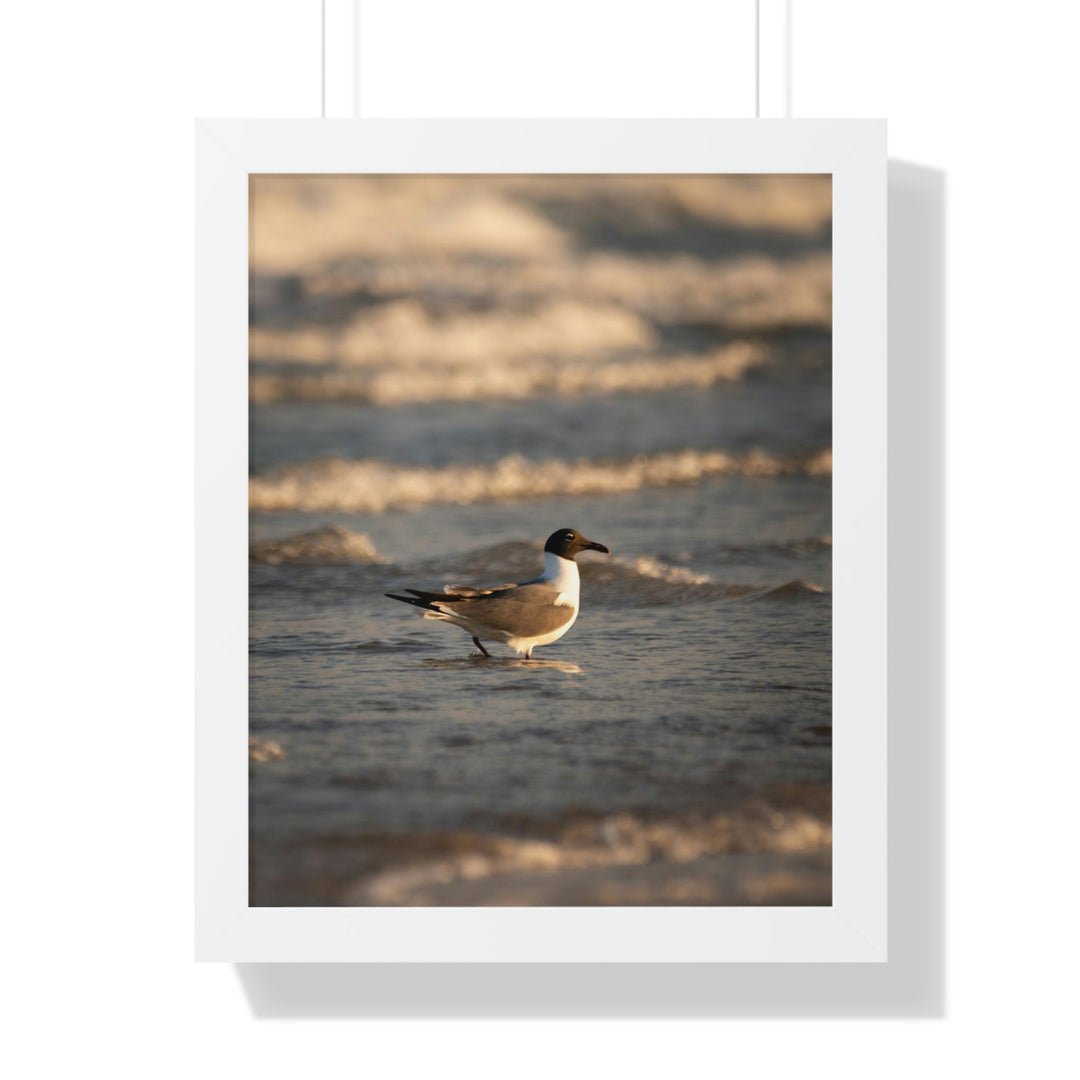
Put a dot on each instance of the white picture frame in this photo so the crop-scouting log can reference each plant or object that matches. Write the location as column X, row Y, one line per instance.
column 854, row 928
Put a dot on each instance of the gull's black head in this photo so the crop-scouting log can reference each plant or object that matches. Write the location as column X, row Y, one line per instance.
column 568, row 542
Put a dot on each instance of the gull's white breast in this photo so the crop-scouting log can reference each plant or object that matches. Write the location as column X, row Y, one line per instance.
column 563, row 575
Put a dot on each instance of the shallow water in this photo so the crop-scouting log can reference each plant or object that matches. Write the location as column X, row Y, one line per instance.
column 675, row 745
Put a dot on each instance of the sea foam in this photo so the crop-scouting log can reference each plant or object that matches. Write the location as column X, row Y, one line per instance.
column 497, row 380
column 375, row 486
column 407, row 332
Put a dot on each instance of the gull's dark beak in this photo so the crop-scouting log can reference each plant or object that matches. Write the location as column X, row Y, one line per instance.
column 590, row 546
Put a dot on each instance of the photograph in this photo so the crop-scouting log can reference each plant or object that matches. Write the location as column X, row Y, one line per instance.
column 540, row 540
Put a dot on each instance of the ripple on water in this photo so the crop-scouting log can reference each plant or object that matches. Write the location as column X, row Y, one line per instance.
column 496, row 664
column 378, row 645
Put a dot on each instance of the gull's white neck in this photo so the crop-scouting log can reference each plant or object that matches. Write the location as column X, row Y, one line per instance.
column 563, row 574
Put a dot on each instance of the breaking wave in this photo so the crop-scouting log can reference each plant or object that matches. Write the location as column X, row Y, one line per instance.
column 670, row 861
column 376, row 486
column 329, row 544
column 748, row 293
column 305, row 220
column 646, row 581
column 790, row 590
column 406, row 332
column 497, row 380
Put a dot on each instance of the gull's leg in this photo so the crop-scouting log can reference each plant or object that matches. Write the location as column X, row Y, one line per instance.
column 476, row 642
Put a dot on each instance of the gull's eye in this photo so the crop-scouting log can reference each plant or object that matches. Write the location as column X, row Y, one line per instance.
column 568, row 537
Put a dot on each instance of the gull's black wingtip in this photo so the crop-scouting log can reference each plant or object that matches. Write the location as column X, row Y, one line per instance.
column 408, row 600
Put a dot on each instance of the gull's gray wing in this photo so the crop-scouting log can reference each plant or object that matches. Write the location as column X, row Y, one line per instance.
column 522, row 610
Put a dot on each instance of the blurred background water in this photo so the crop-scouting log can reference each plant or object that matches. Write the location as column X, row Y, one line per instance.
column 444, row 370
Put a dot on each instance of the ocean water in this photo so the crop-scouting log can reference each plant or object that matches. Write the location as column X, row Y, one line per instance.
column 443, row 372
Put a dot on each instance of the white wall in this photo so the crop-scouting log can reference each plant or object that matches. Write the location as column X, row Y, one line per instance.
column 97, row 437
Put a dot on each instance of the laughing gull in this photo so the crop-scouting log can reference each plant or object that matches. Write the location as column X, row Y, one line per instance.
column 523, row 616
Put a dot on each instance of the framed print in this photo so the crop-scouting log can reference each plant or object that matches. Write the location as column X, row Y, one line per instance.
column 541, row 580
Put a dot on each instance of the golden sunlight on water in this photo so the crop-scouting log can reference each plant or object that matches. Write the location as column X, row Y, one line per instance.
column 443, row 370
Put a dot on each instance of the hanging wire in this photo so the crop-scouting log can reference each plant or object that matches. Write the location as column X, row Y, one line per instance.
column 757, row 59
column 787, row 59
